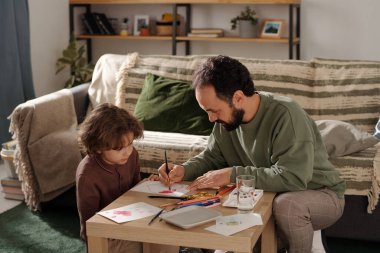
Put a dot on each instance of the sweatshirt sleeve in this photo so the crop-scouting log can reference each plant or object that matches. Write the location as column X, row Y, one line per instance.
column 209, row 159
column 88, row 202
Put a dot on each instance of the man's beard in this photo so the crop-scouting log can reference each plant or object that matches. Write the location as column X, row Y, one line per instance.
column 237, row 120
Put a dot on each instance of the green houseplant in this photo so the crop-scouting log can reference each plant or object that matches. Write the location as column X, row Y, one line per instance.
column 246, row 14
column 73, row 57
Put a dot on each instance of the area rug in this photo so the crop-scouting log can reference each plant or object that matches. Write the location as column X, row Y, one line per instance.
column 54, row 229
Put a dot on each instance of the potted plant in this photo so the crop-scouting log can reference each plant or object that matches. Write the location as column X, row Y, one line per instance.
column 73, row 57
column 144, row 30
column 247, row 22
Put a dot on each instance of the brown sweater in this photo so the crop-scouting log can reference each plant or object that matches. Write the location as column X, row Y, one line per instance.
column 99, row 183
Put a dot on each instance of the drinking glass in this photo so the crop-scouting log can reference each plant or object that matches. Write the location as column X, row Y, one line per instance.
column 246, row 190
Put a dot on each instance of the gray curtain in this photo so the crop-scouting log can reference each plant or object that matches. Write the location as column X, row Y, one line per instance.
column 16, row 84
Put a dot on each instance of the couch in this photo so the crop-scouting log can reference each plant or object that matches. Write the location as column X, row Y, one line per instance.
column 344, row 91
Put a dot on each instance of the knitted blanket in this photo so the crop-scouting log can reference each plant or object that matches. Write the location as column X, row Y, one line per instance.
column 45, row 129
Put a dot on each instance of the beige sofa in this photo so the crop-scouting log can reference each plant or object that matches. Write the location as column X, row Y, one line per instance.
column 346, row 91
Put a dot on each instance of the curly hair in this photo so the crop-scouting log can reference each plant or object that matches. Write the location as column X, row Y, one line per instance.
column 104, row 127
column 226, row 75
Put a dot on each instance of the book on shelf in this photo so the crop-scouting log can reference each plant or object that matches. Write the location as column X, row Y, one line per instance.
column 97, row 23
column 14, row 196
column 90, row 23
column 104, row 24
column 207, row 30
column 205, row 35
column 9, row 181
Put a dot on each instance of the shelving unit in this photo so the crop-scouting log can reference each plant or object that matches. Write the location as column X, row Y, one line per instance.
column 293, row 39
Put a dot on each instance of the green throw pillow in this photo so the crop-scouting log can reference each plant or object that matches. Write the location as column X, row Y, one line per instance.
column 169, row 105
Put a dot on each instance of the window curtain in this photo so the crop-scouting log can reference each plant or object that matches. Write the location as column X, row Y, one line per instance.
column 16, row 84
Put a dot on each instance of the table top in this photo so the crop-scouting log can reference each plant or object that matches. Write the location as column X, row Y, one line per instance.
column 165, row 233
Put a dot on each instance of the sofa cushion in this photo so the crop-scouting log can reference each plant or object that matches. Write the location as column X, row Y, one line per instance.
column 131, row 76
column 347, row 90
column 169, row 105
column 342, row 138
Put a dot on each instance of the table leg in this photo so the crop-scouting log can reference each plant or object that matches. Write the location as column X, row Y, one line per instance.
column 97, row 244
column 268, row 238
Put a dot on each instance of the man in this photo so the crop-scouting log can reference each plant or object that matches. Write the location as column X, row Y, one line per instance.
column 270, row 137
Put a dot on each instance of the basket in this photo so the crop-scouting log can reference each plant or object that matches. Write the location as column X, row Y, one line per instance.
column 165, row 28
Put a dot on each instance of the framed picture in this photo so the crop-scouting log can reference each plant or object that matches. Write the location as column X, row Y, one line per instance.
column 272, row 28
column 140, row 21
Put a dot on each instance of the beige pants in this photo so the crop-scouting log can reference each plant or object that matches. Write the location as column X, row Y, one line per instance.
column 120, row 246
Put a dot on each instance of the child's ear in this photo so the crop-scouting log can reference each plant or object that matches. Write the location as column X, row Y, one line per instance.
column 98, row 152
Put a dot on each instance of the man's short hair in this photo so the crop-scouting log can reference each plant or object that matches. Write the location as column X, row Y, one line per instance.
column 226, row 75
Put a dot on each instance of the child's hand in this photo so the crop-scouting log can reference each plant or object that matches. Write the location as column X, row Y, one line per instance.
column 153, row 177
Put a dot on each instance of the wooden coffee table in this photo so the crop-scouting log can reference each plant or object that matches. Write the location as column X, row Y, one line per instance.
column 100, row 228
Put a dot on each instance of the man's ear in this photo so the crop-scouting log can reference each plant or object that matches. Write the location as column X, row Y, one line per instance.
column 238, row 98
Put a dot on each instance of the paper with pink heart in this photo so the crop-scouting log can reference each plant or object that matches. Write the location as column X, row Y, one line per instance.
column 156, row 187
column 130, row 212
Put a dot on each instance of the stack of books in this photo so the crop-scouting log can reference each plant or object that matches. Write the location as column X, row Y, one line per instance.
column 12, row 188
column 206, row 32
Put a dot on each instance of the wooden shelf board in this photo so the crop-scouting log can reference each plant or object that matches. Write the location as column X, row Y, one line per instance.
column 123, row 37
column 185, row 38
column 185, row 1
column 238, row 39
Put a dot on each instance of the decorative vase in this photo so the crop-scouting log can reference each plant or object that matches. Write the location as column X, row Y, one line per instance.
column 247, row 29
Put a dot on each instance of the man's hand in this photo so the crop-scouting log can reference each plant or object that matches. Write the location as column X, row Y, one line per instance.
column 213, row 178
column 176, row 174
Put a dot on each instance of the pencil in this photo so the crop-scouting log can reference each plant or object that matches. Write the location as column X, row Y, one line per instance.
column 167, row 170
column 156, row 216
column 221, row 193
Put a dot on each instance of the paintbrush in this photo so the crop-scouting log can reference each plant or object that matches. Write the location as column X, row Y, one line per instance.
column 167, row 170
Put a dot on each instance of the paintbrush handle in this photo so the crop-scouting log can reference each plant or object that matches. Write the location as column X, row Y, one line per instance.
column 156, row 216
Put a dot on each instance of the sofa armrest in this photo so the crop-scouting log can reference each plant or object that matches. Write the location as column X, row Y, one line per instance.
column 81, row 100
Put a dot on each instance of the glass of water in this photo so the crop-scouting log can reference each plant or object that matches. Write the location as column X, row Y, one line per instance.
column 245, row 185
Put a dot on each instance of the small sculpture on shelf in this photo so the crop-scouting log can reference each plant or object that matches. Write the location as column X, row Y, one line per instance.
column 247, row 22
column 124, row 27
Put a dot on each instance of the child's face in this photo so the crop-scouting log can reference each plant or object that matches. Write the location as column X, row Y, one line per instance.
column 121, row 156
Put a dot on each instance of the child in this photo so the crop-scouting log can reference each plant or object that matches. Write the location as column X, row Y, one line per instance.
column 110, row 168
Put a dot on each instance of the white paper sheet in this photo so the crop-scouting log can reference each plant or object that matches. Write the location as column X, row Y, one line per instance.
column 131, row 212
column 229, row 225
column 156, row 187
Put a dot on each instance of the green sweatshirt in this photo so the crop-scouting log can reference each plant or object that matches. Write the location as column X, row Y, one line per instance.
column 281, row 147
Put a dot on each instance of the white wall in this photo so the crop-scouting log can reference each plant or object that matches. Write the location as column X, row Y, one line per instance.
column 344, row 29
column 49, row 35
